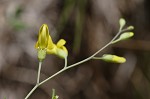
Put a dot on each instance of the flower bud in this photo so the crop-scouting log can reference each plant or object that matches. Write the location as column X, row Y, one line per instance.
column 130, row 27
column 113, row 58
column 122, row 23
column 43, row 37
column 126, row 35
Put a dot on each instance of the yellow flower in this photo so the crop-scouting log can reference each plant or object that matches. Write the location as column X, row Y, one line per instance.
column 45, row 45
column 59, row 49
column 43, row 37
column 42, row 43
column 113, row 58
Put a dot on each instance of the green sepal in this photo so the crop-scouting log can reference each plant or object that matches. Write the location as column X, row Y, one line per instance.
column 41, row 54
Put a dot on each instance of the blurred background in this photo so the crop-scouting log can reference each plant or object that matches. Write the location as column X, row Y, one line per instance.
column 86, row 25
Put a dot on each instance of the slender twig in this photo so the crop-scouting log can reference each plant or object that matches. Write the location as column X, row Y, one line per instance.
column 34, row 88
column 97, row 58
column 87, row 59
column 39, row 71
column 73, row 65
column 120, row 31
column 65, row 62
column 37, row 83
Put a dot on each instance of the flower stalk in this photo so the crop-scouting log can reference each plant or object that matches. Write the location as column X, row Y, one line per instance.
column 45, row 46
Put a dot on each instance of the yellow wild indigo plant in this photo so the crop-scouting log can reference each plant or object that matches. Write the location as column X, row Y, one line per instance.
column 45, row 46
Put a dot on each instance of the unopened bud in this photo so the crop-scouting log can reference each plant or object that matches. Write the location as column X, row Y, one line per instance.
column 130, row 27
column 113, row 58
column 122, row 23
column 126, row 35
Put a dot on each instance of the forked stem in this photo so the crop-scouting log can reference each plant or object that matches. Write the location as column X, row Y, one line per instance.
column 37, row 83
column 80, row 62
column 68, row 67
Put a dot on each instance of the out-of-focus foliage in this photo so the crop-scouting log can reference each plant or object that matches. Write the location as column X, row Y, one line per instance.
column 74, row 10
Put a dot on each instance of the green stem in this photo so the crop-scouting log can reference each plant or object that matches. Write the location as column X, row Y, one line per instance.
column 39, row 72
column 120, row 31
column 65, row 62
column 73, row 65
column 97, row 58
column 80, row 62
column 53, row 93
column 35, row 87
column 37, row 83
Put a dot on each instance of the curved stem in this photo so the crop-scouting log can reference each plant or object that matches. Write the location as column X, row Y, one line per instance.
column 65, row 62
column 80, row 62
column 70, row 66
column 73, row 65
column 120, row 31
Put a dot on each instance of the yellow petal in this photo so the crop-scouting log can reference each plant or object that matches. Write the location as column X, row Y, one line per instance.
column 52, row 50
column 61, row 42
column 62, row 53
column 50, row 43
column 65, row 50
column 118, row 59
column 43, row 37
column 36, row 45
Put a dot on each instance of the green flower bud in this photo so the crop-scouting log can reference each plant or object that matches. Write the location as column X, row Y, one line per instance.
column 122, row 23
column 130, row 27
column 126, row 35
column 113, row 58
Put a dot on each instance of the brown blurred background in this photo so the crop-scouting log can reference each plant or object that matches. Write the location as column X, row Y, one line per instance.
column 86, row 25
